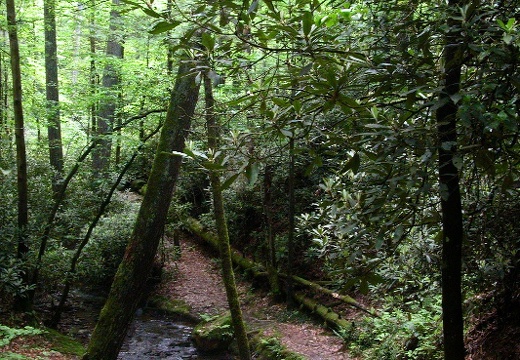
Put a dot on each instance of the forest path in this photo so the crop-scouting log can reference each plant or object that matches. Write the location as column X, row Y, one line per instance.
column 195, row 279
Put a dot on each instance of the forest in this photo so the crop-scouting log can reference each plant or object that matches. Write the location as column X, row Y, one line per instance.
column 356, row 163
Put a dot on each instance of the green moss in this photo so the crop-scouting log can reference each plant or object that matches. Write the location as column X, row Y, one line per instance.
column 63, row 343
column 272, row 349
column 214, row 335
column 170, row 306
column 13, row 356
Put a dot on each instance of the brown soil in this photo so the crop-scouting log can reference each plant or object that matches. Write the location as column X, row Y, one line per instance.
column 196, row 281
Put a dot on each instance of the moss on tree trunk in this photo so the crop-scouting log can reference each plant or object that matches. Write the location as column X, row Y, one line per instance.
column 228, row 275
column 130, row 279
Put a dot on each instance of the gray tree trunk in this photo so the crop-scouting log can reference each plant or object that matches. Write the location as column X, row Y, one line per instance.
column 108, row 104
column 52, row 92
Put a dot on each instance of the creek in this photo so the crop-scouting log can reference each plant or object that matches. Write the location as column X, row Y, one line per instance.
column 153, row 335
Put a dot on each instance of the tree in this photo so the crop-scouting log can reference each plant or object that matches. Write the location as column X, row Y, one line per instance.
column 228, row 275
column 110, row 82
column 21, row 157
column 129, row 282
column 52, row 93
column 451, row 204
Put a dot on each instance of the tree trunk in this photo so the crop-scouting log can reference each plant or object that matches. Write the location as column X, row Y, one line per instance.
column 3, row 105
column 52, row 93
column 21, row 158
column 107, row 107
column 130, row 280
column 290, row 240
column 228, row 275
column 94, row 80
column 271, row 248
column 451, row 207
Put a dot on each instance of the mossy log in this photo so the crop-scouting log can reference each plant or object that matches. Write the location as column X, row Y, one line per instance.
column 333, row 319
column 256, row 270
column 320, row 289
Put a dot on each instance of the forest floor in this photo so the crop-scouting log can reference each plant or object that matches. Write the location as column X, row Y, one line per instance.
column 195, row 279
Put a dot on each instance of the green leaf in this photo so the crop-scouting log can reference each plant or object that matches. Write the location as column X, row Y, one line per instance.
column 286, row 133
column 252, row 171
column 229, row 181
column 181, row 154
column 210, row 165
column 305, row 70
column 353, row 164
column 163, row 26
column 252, row 9
column 151, row 13
column 307, row 22
column 208, row 41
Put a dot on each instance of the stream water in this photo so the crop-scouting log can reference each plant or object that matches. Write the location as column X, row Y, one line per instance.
column 155, row 336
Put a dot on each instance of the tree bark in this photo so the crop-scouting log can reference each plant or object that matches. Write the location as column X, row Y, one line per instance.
column 3, row 104
column 107, row 107
column 21, row 157
column 52, row 93
column 228, row 275
column 129, row 282
column 271, row 248
column 290, row 240
column 451, row 206
column 94, row 79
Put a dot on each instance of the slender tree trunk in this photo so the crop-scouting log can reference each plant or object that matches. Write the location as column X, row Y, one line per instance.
column 451, row 207
column 21, row 158
column 92, row 128
column 271, row 248
column 130, row 280
column 58, row 199
column 3, row 106
column 110, row 82
column 52, row 93
column 5, row 131
column 170, row 51
column 222, row 231
column 290, row 240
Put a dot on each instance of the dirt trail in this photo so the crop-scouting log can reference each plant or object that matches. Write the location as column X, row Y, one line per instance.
column 195, row 279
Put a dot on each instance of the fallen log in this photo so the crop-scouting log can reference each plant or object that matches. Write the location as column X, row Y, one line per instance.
column 211, row 239
column 320, row 289
column 331, row 318
column 256, row 270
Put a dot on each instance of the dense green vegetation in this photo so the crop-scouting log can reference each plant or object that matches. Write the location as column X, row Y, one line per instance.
column 369, row 146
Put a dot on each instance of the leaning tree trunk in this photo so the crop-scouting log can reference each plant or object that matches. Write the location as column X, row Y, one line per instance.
column 52, row 93
column 228, row 275
column 451, row 207
column 21, row 158
column 130, row 279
